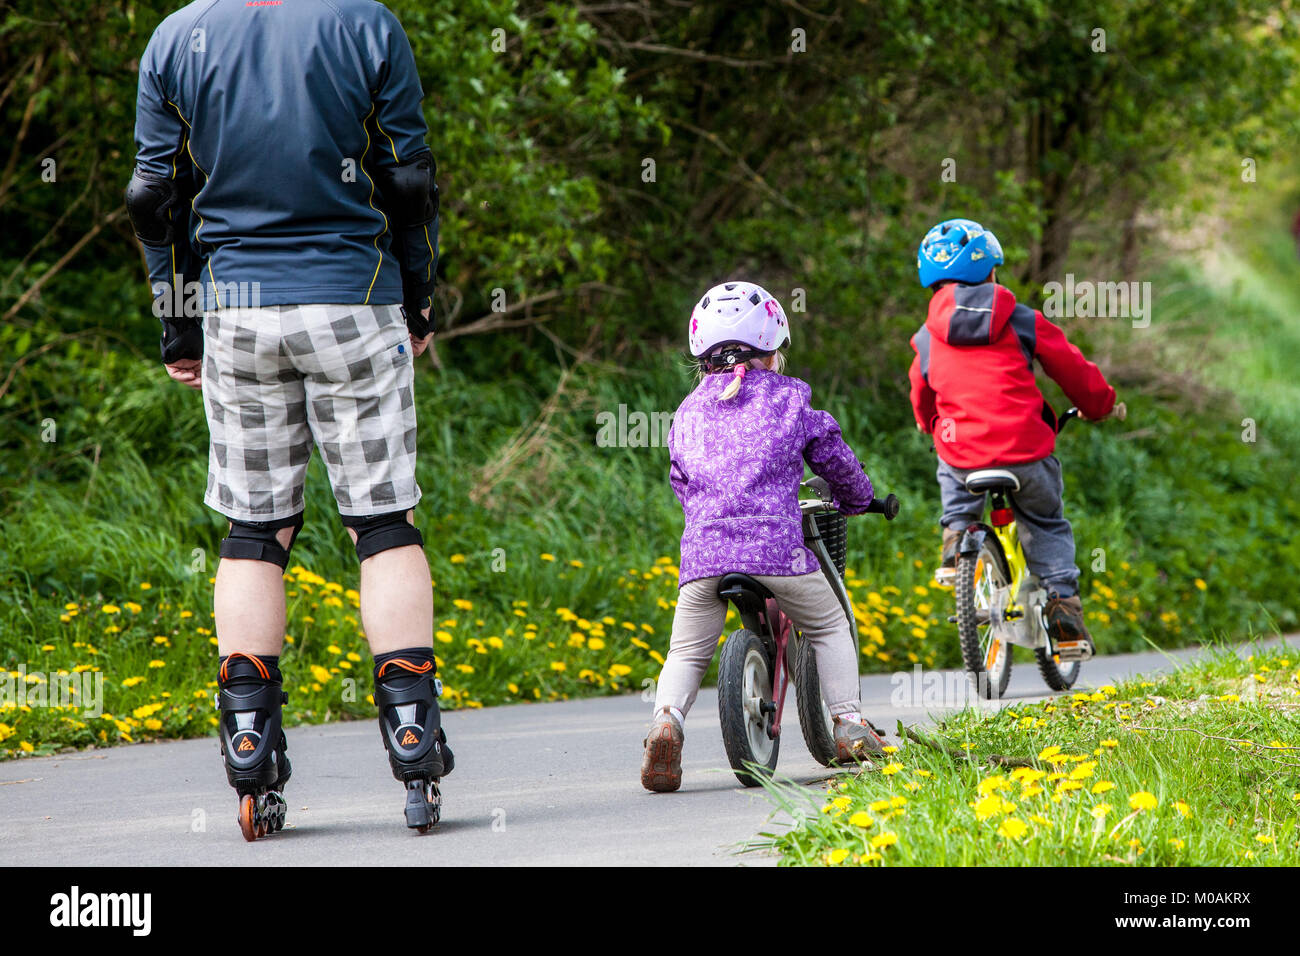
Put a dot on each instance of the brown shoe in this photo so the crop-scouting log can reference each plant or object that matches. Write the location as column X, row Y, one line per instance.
column 855, row 741
column 1065, row 626
column 946, row 575
column 661, row 767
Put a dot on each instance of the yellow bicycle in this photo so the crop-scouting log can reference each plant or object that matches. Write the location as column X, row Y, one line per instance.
column 1001, row 604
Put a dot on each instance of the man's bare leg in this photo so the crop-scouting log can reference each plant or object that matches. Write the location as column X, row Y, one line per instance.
column 396, row 598
column 249, row 604
column 397, row 614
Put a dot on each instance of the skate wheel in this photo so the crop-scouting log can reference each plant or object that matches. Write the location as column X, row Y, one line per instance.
column 247, row 818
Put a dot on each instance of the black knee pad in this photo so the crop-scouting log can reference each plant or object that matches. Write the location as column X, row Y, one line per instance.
column 377, row 533
column 256, row 541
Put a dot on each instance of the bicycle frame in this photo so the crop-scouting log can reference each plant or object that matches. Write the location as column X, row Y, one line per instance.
column 777, row 630
column 1015, row 613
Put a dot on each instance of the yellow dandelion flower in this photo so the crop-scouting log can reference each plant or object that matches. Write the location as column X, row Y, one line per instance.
column 1013, row 828
column 1142, row 800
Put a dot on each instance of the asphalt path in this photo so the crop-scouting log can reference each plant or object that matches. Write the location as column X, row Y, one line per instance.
column 548, row 784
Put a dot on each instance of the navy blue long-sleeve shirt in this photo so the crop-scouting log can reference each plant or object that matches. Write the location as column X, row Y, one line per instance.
column 272, row 117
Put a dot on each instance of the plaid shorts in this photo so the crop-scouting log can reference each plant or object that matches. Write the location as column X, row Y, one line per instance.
column 279, row 378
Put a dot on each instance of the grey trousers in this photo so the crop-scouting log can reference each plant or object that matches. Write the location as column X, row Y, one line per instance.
column 808, row 601
column 1045, row 535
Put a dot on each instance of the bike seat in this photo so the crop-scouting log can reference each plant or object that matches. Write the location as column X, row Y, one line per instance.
column 731, row 583
column 992, row 479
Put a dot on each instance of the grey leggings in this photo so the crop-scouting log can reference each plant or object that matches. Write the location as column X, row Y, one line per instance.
column 809, row 602
column 1045, row 535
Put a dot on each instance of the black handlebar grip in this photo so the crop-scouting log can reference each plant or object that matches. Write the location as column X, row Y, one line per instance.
column 887, row 506
column 1065, row 418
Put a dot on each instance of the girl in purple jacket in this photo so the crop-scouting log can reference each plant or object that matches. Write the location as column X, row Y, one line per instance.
column 738, row 444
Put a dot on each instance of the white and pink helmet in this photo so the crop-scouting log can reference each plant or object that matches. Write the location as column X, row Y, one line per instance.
column 738, row 313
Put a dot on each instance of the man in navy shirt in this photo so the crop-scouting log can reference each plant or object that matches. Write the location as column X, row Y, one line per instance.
column 288, row 209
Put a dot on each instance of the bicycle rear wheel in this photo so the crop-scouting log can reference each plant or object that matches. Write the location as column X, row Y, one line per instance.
column 744, row 686
column 814, row 716
column 987, row 658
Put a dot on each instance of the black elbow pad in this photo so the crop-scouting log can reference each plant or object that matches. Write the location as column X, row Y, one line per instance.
column 408, row 191
column 149, row 201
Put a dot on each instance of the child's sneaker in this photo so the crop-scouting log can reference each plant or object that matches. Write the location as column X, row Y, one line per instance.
column 855, row 739
column 946, row 574
column 661, row 767
column 1065, row 624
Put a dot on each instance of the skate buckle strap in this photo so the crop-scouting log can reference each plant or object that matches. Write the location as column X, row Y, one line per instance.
column 422, row 668
column 261, row 668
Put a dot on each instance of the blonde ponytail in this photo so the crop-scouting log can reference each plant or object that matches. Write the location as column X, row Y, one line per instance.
column 733, row 387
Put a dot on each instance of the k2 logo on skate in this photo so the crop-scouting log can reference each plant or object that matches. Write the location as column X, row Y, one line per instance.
column 76, row 910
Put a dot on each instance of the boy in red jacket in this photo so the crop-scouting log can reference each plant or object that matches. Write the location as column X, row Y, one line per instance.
column 973, row 390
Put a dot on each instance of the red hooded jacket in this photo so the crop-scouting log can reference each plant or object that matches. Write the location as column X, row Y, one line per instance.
column 973, row 384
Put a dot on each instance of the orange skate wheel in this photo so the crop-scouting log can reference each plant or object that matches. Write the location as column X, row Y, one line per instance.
column 247, row 814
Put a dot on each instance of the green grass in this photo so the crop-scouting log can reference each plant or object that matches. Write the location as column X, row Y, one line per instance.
column 1197, row 768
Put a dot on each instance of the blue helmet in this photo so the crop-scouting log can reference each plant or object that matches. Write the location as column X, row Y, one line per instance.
column 959, row 249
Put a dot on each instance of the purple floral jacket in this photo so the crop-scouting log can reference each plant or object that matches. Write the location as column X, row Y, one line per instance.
column 736, row 468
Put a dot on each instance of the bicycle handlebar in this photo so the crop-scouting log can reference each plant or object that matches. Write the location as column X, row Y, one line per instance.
column 887, row 506
column 1119, row 413
column 1066, row 416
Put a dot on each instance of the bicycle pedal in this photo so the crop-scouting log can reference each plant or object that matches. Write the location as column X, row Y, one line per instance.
column 1073, row 650
column 945, row 577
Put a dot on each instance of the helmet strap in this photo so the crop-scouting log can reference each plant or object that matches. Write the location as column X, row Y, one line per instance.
column 729, row 357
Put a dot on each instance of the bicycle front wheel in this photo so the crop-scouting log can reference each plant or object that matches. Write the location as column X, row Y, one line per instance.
column 987, row 658
column 1056, row 675
column 744, row 694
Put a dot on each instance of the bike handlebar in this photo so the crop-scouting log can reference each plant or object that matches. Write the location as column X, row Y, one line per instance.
column 887, row 506
column 1119, row 413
